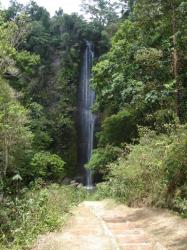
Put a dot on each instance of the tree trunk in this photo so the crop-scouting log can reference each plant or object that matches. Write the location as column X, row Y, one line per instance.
column 5, row 144
column 176, row 61
column 5, row 156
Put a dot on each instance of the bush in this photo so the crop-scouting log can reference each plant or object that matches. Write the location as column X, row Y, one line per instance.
column 101, row 157
column 35, row 212
column 163, row 121
column 118, row 129
column 139, row 178
column 47, row 166
column 154, row 172
column 176, row 172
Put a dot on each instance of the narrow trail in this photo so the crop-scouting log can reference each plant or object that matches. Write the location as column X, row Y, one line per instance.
column 99, row 225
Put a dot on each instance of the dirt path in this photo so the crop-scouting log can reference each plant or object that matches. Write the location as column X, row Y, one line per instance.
column 105, row 226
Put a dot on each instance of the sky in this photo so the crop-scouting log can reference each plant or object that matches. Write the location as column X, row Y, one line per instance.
column 68, row 6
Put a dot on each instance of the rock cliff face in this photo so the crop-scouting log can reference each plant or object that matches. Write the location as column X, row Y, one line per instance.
column 58, row 98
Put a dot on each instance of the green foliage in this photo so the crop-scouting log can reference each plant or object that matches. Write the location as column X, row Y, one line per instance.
column 101, row 157
column 153, row 173
column 39, row 126
column 25, row 61
column 102, row 11
column 38, row 39
column 7, row 49
column 11, row 12
column 38, row 13
column 139, row 177
column 138, row 69
column 41, row 57
column 144, row 70
column 48, row 166
column 118, row 128
column 15, row 134
column 176, row 173
column 113, row 74
column 164, row 120
column 36, row 212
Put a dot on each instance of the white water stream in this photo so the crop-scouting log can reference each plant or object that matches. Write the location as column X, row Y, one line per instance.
column 87, row 118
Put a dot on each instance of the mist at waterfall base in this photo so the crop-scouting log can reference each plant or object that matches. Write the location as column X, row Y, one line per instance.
column 86, row 119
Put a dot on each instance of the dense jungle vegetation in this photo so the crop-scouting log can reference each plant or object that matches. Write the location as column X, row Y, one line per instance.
column 141, row 96
column 139, row 76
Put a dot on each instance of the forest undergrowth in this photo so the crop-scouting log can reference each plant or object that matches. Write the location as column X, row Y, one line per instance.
column 37, row 210
column 150, row 173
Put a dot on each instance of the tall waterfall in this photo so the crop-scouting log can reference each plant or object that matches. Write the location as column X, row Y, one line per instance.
column 86, row 97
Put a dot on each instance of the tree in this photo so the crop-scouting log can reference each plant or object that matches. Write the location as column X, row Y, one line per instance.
column 47, row 166
column 37, row 13
column 175, row 20
column 12, row 61
column 15, row 135
column 138, row 69
column 103, row 11
column 39, row 126
column 7, row 50
column 168, row 27
column 13, row 11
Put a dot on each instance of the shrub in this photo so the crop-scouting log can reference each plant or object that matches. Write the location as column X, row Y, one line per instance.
column 118, row 128
column 163, row 121
column 47, row 165
column 176, row 172
column 37, row 211
column 154, row 172
column 101, row 157
column 140, row 178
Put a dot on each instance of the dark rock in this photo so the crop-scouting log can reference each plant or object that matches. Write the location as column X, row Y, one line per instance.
column 80, row 185
column 66, row 181
column 74, row 183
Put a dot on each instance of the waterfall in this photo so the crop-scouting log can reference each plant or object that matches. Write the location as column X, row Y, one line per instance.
column 86, row 98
